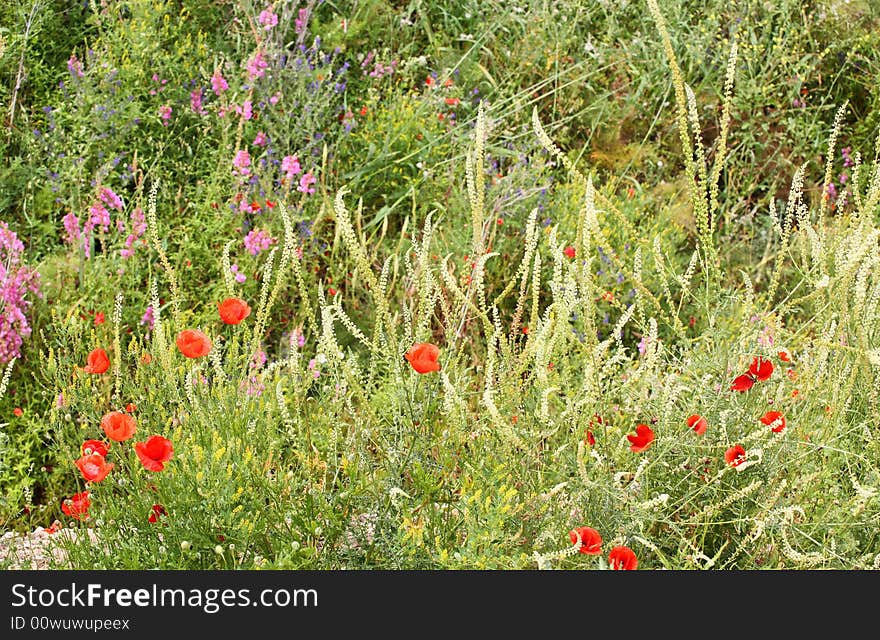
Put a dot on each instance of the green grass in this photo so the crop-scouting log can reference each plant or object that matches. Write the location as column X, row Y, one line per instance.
column 550, row 238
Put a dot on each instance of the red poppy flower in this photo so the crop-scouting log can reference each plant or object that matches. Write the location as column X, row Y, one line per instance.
column 118, row 426
column 569, row 252
column 270, row 204
column 590, row 540
column 193, row 343
column 698, row 424
column 17, row 412
column 53, row 528
column 154, row 453
column 233, row 310
column 423, row 357
column 95, row 446
column 453, row 102
column 590, row 439
column 735, row 456
column 622, row 559
column 97, row 362
column 761, row 369
column 99, row 318
column 77, row 506
column 783, row 355
column 93, row 466
column 643, row 438
column 774, row 418
column 742, row 383
column 156, row 511
column 131, row 407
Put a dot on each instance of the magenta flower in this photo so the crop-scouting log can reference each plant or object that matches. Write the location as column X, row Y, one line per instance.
column 239, row 277
column 257, row 240
column 261, row 140
column 218, row 83
column 256, row 66
column 245, row 110
column 16, row 281
column 74, row 66
column 290, row 166
column 165, row 113
column 138, row 228
column 304, row 182
column 99, row 217
column 241, row 162
column 268, row 19
column 148, row 318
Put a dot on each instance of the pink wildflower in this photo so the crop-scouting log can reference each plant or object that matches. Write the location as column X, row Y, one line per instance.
column 290, row 166
column 257, row 240
column 165, row 113
column 268, row 19
column 218, row 83
column 256, row 66
column 304, row 182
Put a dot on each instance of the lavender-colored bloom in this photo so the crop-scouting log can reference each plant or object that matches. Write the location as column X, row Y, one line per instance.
column 74, row 66
column 99, row 217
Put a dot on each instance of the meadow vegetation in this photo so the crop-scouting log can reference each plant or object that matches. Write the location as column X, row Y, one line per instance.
column 441, row 285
